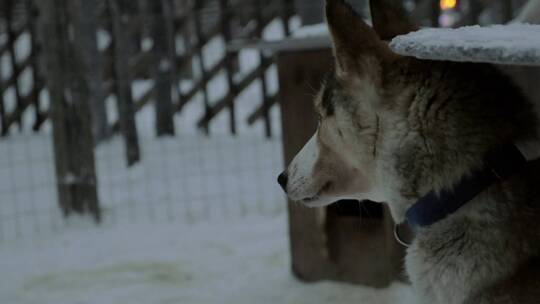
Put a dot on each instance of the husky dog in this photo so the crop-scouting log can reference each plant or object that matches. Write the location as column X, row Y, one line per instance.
column 413, row 132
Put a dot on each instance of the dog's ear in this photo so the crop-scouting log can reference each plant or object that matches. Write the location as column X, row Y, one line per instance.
column 390, row 19
column 356, row 44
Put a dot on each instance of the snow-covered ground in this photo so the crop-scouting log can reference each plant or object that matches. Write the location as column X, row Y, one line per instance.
column 217, row 262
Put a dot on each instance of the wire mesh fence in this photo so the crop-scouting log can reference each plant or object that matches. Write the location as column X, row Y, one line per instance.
column 188, row 178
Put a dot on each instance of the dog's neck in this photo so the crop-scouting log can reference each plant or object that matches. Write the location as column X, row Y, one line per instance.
column 500, row 163
column 431, row 201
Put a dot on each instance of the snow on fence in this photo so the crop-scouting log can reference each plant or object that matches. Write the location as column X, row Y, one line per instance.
column 139, row 80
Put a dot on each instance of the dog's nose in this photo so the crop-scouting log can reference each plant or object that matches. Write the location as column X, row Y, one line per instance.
column 282, row 181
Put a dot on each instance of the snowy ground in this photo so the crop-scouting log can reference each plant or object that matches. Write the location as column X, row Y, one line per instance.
column 218, row 262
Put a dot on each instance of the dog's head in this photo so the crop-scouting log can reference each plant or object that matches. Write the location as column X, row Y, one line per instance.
column 393, row 128
column 339, row 161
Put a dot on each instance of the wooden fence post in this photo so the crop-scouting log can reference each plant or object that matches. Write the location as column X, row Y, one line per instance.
column 229, row 60
column 162, row 23
column 187, row 32
column 286, row 13
column 197, row 14
column 120, row 19
column 435, row 13
column 38, row 81
column 3, row 124
column 70, row 113
column 12, row 38
column 85, row 15
column 507, row 10
column 262, row 77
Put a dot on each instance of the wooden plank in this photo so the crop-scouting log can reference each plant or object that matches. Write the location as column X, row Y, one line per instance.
column 3, row 126
column 287, row 44
column 26, row 101
column 229, row 61
column 163, row 54
column 200, row 84
column 286, row 12
column 119, row 10
column 241, row 86
column 85, row 15
column 259, row 112
column 197, row 11
column 38, row 81
column 262, row 76
column 14, row 77
column 73, row 141
column 435, row 13
column 269, row 13
column 12, row 39
column 17, row 29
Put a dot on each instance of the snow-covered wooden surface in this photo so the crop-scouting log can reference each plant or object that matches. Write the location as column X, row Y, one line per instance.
column 515, row 44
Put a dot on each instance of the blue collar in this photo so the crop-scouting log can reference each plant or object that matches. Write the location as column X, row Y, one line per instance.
column 499, row 164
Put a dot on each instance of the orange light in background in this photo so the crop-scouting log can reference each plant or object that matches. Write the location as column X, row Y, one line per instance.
column 448, row 4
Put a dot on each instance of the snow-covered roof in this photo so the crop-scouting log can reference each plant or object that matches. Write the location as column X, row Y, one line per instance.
column 517, row 44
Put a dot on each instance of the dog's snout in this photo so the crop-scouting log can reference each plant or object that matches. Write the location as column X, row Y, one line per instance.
column 282, row 180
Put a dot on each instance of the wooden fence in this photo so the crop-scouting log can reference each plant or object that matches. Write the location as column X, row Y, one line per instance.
column 113, row 68
column 58, row 43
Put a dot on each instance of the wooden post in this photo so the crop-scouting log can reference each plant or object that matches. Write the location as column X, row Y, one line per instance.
column 85, row 16
column 197, row 13
column 325, row 245
column 3, row 125
column 310, row 11
column 70, row 114
column 475, row 8
column 162, row 34
column 229, row 61
column 262, row 75
column 120, row 19
column 507, row 10
column 435, row 13
column 12, row 38
column 38, row 81
column 285, row 11
column 186, row 31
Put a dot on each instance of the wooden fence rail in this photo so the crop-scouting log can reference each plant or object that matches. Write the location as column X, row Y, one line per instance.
column 204, row 20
